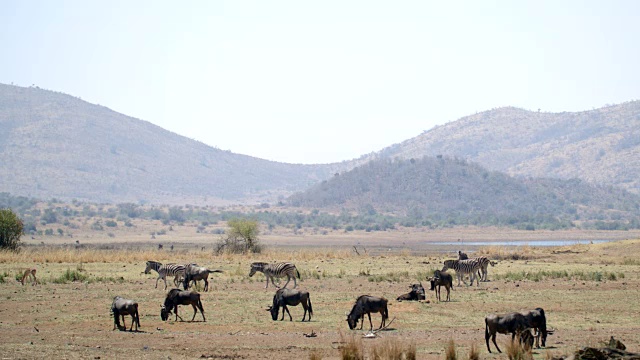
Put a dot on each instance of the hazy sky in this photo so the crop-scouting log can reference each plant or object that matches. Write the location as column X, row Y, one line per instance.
column 322, row 81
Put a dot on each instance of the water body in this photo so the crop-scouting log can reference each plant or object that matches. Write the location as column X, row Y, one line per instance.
column 517, row 243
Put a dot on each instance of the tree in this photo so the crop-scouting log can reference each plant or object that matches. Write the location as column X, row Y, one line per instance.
column 11, row 228
column 240, row 238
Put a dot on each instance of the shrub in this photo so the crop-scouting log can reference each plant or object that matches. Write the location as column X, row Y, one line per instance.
column 11, row 229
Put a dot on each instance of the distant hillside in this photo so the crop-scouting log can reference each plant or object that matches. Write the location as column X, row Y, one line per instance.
column 600, row 146
column 56, row 145
column 458, row 192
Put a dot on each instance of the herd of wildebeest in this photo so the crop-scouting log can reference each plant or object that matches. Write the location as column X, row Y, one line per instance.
column 518, row 324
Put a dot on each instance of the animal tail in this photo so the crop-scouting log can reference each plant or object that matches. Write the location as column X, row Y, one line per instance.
column 216, row 271
column 298, row 273
column 493, row 263
column 486, row 331
column 310, row 307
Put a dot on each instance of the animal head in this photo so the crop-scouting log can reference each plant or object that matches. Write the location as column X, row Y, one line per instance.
column 448, row 264
column 148, row 268
column 418, row 289
column 255, row 267
column 274, row 310
column 353, row 317
column 164, row 313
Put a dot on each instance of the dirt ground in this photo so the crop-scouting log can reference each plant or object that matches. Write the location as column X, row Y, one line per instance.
column 72, row 320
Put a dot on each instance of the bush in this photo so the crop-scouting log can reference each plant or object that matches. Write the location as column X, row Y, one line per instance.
column 11, row 229
column 242, row 237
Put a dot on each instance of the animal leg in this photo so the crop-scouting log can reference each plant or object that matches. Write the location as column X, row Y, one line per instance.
column 206, row 285
column 287, row 310
column 178, row 316
column 494, row 343
column 448, row 291
column 201, row 310
column 195, row 311
column 287, row 283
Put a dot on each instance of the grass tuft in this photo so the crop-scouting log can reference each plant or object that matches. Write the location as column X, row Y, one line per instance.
column 352, row 348
column 393, row 349
column 450, row 351
column 474, row 354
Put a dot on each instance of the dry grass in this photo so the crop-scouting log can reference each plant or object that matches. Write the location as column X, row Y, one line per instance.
column 515, row 351
column 474, row 354
column 450, row 352
column 392, row 349
column 235, row 304
column 352, row 348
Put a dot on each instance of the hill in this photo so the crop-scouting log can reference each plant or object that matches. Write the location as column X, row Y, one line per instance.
column 601, row 146
column 454, row 191
column 56, row 145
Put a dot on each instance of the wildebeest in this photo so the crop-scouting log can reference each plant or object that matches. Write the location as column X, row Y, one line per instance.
column 122, row 307
column 462, row 256
column 177, row 297
column 440, row 279
column 366, row 304
column 537, row 320
column 291, row 297
column 416, row 293
column 510, row 323
column 194, row 273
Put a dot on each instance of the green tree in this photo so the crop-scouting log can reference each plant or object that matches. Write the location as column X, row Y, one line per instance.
column 241, row 237
column 11, row 229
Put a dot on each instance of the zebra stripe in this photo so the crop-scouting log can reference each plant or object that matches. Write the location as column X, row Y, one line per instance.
column 463, row 267
column 484, row 266
column 276, row 270
column 164, row 271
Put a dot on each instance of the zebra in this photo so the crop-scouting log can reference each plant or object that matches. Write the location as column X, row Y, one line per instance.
column 463, row 267
column 484, row 266
column 276, row 270
column 164, row 270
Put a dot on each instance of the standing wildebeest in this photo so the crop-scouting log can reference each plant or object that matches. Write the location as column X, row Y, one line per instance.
column 416, row 293
column 440, row 279
column 366, row 304
column 510, row 323
column 462, row 256
column 177, row 297
column 538, row 321
column 122, row 307
column 195, row 273
column 291, row 297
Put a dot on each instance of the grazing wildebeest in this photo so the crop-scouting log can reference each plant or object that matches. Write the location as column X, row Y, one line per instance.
column 177, row 297
column 510, row 323
column 291, row 297
column 366, row 304
column 122, row 307
column 538, row 321
column 440, row 279
column 416, row 293
column 194, row 273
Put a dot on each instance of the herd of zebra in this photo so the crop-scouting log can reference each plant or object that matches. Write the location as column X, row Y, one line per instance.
column 475, row 268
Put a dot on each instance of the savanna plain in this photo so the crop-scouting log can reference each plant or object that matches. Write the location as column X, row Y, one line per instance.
column 589, row 292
